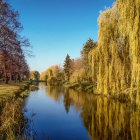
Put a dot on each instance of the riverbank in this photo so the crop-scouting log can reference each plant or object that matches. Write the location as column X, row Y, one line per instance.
column 85, row 86
column 79, row 112
column 11, row 117
column 123, row 97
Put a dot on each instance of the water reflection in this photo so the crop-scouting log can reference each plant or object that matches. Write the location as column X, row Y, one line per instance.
column 54, row 93
column 103, row 118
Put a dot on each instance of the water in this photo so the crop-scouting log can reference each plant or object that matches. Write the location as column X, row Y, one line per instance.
column 56, row 113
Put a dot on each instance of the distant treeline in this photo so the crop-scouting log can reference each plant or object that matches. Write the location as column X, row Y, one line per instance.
column 73, row 71
column 112, row 63
column 13, row 46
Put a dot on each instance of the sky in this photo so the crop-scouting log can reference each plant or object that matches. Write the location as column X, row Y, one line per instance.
column 56, row 28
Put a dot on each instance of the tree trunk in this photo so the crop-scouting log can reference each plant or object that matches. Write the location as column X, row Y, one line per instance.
column 7, row 79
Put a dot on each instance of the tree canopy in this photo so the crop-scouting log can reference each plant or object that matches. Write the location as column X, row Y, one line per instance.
column 115, row 62
column 53, row 75
column 35, row 75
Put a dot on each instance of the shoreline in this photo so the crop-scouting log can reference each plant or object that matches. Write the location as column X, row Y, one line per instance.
column 11, row 102
column 125, row 96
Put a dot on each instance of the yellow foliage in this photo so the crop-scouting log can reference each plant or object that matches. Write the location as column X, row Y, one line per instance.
column 34, row 75
column 78, row 76
column 53, row 75
column 115, row 62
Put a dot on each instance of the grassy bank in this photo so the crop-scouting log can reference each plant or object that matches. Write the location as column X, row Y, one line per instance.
column 85, row 86
column 123, row 97
column 11, row 116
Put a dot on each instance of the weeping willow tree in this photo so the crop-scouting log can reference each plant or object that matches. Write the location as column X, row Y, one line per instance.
column 53, row 75
column 115, row 63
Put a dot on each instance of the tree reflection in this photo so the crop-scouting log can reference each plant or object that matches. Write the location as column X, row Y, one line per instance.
column 66, row 100
column 54, row 93
column 104, row 118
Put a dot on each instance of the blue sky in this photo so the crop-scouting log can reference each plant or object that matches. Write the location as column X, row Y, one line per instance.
column 58, row 27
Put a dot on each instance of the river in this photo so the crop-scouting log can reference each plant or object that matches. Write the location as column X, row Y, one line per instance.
column 56, row 113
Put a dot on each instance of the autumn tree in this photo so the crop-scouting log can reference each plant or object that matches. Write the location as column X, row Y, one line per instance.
column 90, row 44
column 77, row 71
column 34, row 75
column 115, row 62
column 53, row 75
column 12, row 45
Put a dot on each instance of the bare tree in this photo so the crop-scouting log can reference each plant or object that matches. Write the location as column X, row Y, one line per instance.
column 13, row 47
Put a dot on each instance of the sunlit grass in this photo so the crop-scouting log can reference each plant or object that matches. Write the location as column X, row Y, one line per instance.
column 9, row 90
column 11, row 116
